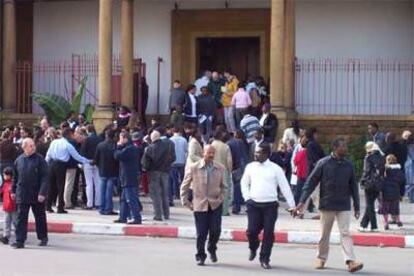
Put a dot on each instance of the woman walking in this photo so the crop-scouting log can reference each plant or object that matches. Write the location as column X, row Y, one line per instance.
column 371, row 181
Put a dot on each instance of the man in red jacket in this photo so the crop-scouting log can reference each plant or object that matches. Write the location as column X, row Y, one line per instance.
column 9, row 205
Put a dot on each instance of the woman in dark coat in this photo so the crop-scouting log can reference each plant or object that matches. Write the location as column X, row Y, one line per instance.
column 374, row 167
column 392, row 191
column 269, row 123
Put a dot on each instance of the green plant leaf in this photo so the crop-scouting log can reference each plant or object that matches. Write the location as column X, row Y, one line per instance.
column 89, row 109
column 77, row 99
column 55, row 107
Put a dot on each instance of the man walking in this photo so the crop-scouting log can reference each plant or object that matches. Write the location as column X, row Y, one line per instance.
column 206, row 180
column 260, row 183
column 336, row 176
column 129, row 168
column 157, row 161
column 30, row 189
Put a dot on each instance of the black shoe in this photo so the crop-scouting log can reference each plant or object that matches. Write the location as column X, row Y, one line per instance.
column 119, row 221
column 399, row 224
column 201, row 262
column 87, row 208
column 171, row 204
column 265, row 265
column 134, row 222
column 17, row 245
column 50, row 210
column 4, row 240
column 393, row 222
column 157, row 219
column 213, row 257
column 112, row 213
column 43, row 242
column 252, row 255
column 62, row 212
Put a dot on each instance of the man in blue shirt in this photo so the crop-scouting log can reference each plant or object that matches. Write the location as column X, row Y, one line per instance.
column 57, row 157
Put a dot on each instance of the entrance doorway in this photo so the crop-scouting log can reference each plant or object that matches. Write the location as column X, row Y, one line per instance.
column 240, row 54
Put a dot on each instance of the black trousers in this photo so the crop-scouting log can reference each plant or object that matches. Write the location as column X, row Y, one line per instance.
column 57, row 174
column 39, row 213
column 207, row 223
column 261, row 216
column 369, row 215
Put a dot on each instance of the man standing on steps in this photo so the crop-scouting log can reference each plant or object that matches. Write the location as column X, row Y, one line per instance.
column 30, row 189
column 259, row 184
column 336, row 176
column 206, row 180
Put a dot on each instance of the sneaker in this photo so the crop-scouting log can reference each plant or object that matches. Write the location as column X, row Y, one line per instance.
column 4, row 240
column 354, row 266
column 362, row 230
column 399, row 224
column 320, row 264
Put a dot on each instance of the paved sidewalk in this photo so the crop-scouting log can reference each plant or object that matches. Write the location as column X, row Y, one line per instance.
column 181, row 225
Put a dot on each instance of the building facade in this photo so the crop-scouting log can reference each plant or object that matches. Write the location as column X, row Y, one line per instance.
column 328, row 62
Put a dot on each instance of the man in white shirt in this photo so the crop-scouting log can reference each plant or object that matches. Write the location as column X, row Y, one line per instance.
column 259, row 188
column 202, row 81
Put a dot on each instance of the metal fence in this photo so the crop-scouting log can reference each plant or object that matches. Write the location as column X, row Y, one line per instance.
column 354, row 86
column 62, row 77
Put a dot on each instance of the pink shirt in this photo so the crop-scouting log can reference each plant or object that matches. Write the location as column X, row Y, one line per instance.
column 241, row 99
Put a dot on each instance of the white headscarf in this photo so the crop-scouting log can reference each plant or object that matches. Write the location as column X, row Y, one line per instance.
column 372, row 146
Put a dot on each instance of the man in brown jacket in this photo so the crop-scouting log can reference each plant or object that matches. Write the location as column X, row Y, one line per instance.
column 206, row 180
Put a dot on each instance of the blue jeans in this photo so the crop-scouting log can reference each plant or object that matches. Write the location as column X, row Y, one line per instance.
column 107, row 185
column 130, row 204
column 176, row 177
column 410, row 192
column 237, row 197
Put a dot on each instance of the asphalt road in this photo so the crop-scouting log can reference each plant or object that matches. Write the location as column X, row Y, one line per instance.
column 111, row 255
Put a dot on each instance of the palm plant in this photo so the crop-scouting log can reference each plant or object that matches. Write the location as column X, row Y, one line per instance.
column 56, row 107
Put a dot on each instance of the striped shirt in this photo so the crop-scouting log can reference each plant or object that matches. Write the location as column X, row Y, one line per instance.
column 249, row 125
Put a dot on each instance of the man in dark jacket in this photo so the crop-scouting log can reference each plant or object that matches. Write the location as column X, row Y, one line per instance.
column 108, row 171
column 190, row 105
column 157, row 160
column 88, row 149
column 313, row 155
column 177, row 96
column 269, row 123
column 206, row 107
column 214, row 86
column 336, row 176
column 30, row 189
column 129, row 168
column 399, row 149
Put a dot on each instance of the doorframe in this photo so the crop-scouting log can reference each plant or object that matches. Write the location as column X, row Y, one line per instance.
column 227, row 34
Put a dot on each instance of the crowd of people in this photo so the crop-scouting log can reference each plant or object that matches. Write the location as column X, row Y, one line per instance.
column 218, row 152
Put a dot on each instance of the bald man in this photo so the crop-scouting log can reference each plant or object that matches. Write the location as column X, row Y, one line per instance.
column 207, row 203
column 30, row 189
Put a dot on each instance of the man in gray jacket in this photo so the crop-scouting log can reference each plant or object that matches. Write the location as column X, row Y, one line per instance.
column 157, row 161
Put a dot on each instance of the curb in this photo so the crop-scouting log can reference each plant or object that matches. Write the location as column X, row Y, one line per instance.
column 239, row 235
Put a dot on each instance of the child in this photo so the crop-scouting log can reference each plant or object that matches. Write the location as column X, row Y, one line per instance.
column 9, row 205
column 392, row 190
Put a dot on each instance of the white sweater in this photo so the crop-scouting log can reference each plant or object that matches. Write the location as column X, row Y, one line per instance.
column 260, row 181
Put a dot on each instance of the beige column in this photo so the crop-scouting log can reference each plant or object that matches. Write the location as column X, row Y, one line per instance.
column 289, row 53
column 104, row 113
column 127, row 52
column 105, row 53
column 277, row 54
column 9, row 55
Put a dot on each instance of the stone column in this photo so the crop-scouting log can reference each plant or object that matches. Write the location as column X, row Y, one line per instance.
column 104, row 113
column 289, row 53
column 277, row 29
column 127, row 52
column 9, row 55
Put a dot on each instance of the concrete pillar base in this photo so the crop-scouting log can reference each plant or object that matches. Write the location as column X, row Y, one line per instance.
column 285, row 117
column 102, row 117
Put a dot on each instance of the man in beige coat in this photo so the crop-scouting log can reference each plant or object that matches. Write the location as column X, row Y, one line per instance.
column 206, row 180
